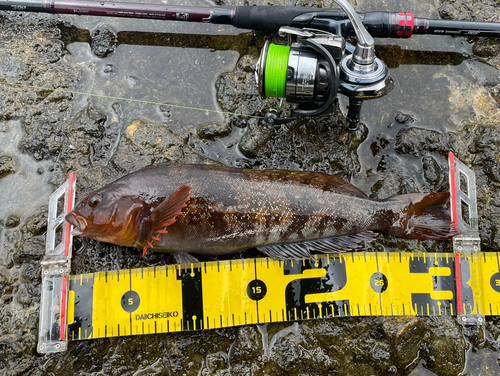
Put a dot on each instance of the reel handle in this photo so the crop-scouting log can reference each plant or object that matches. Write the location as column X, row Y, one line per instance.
column 353, row 115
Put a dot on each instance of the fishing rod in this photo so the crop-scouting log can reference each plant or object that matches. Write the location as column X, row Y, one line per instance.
column 261, row 18
column 317, row 63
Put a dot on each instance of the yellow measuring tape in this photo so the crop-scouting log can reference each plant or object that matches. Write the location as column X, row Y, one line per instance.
column 255, row 291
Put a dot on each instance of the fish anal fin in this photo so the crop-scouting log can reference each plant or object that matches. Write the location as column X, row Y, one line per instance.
column 300, row 250
column 184, row 258
column 341, row 243
column 289, row 251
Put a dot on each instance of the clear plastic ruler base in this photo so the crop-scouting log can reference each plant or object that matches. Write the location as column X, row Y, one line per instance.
column 464, row 214
column 56, row 267
column 219, row 294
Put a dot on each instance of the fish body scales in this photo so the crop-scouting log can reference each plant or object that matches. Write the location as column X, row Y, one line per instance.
column 230, row 211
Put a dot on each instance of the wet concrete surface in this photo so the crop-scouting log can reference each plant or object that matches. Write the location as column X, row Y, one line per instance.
column 169, row 92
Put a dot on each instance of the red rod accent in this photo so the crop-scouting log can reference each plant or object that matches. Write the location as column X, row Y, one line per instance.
column 64, row 304
column 458, row 279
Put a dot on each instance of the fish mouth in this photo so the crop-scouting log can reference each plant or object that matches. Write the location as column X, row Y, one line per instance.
column 79, row 224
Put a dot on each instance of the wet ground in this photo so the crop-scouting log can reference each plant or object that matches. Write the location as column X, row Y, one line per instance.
column 159, row 91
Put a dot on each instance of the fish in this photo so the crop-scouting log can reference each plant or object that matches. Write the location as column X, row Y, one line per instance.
column 217, row 210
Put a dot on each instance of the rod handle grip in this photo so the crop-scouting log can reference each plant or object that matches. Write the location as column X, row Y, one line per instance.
column 271, row 18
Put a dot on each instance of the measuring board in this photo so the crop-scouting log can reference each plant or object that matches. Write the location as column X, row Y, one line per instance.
column 220, row 294
column 254, row 291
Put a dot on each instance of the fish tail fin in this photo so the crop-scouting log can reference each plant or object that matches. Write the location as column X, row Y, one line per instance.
column 422, row 216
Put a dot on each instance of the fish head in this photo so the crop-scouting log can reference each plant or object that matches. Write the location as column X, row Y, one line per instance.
column 111, row 215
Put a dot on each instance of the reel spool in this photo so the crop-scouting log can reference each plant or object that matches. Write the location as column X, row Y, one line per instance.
column 304, row 73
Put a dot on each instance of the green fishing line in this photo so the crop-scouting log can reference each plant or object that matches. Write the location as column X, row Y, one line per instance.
column 275, row 71
column 124, row 99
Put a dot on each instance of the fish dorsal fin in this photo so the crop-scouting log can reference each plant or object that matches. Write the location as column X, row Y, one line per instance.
column 164, row 214
column 333, row 184
column 316, row 179
column 336, row 244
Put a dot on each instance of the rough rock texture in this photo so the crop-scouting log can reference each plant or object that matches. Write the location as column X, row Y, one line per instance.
column 7, row 166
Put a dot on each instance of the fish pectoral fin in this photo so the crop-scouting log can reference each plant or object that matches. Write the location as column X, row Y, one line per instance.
column 341, row 243
column 164, row 214
column 184, row 258
column 285, row 251
column 301, row 250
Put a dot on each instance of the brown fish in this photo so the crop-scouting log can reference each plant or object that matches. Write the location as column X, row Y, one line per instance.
column 215, row 210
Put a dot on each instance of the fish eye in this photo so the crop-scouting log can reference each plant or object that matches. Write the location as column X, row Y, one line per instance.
column 94, row 200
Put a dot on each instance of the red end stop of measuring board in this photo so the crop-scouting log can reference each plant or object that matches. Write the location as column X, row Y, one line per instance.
column 464, row 215
column 56, row 267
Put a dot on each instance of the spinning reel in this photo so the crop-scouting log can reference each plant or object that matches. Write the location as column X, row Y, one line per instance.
column 318, row 65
